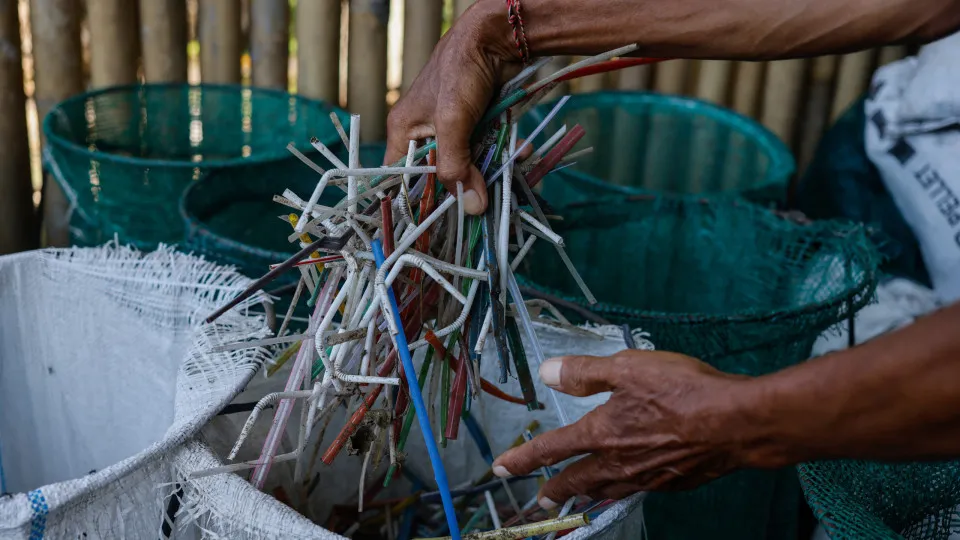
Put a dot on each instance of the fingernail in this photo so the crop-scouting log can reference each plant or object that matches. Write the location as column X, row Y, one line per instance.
column 501, row 472
column 546, row 503
column 471, row 202
column 550, row 372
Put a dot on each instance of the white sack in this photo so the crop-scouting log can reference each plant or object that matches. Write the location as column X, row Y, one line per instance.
column 913, row 137
column 899, row 302
column 105, row 372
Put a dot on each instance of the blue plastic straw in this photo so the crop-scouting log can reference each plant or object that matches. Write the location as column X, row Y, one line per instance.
column 409, row 371
column 478, row 437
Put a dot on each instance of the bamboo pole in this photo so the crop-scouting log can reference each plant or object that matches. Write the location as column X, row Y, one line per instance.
column 114, row 42
column 748, row 88
column 554, row 65
column 671, row 77
column 635, row 78
column 367, row 73
column 219, row 22
column 459, row 6
column 781, row 97
column 18, row 230
column 852, row 80
column 714, row 80
column 891, row 54
column 422, row 21
column 590, row 83
column 818, row 101
column 665, row 134
column 163, row 30
column 270, row 43
column 708, row 139
column 318, row 49
column 58, row 74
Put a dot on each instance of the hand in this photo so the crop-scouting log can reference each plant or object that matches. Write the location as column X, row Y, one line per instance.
column 451, row 94
column 672, row 422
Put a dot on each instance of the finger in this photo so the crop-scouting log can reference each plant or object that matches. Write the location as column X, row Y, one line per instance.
column 525, row 151
column 585, row 477
column 454, row 164
column 404, row 126
column 582, row 375
column 617, row 490
column 460, row 106
column 668, row 473
column 545, row 450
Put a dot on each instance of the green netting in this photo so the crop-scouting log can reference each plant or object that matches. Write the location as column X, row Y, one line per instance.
column 860, row 499
column 645, row 142
column 230, row 216
column 124, row 155
column 842, row 183
column 736, row 285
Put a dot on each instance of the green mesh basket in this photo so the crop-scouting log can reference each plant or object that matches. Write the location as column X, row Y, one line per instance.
column 124, row 155
column 726, row 281
column 646, row 142
column 230, row 216
column 860, row 499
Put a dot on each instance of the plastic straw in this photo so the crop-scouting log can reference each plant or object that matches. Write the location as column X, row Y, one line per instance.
column 439, row 473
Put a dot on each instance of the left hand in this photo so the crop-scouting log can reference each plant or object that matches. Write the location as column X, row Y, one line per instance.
column 672, row 422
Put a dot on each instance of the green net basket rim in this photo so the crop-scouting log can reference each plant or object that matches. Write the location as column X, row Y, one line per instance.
column 196, row 226
column 782, row 162
column 858, row 294
column 56, row 140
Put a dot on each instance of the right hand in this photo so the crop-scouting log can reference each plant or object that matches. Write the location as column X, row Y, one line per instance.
column 671, row 423
column 449, row 97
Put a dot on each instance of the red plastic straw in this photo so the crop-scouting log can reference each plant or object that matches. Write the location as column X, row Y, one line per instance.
column 351, row 427
column 610, row 65
column 485, row 385
column 555, row 155
column 458, row 395
column 386, row 211
column 427, row 204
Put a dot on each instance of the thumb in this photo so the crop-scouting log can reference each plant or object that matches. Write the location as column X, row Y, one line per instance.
column 455, row 164
column 581, row 376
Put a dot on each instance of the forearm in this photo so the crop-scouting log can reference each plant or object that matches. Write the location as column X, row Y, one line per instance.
column 896, row 397
column 732, row 29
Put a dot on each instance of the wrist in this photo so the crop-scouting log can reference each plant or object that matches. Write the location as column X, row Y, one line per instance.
column 764, row 423
column 487, row 22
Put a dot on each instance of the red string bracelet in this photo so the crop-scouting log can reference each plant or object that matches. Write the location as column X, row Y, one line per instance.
column 519, row 35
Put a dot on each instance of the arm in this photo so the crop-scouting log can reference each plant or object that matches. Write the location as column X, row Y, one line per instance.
column 478, row 54
column 894, row 398
column 730, row 29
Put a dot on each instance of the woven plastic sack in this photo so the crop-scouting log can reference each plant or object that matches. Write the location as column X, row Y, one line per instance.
column 124, row 155
column 735, row 285
column 105, row 373
column 230, row 216
column 644, row 141
column 912, row 136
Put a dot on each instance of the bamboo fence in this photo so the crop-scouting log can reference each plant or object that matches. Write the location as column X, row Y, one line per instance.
column 57, row 48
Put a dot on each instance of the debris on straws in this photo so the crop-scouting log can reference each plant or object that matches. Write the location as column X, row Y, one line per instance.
column 394, row 267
